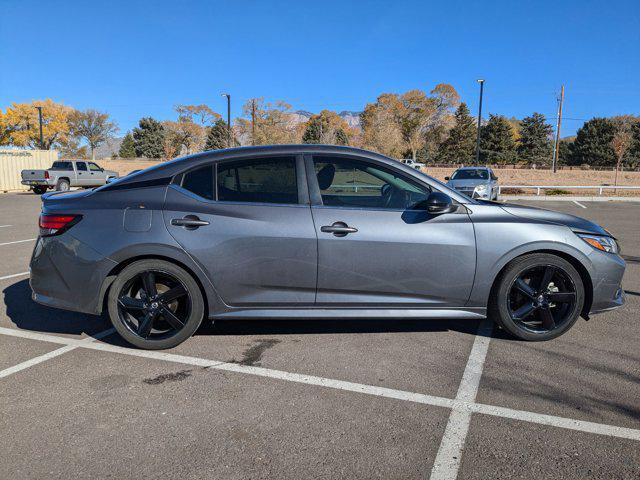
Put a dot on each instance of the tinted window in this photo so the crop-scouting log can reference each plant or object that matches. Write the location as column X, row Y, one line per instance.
column 62, row 166
column 94, row 168
column 470, row 175
column 200, row 182
column 81, row 166
column 263, row 180
column 352, row 183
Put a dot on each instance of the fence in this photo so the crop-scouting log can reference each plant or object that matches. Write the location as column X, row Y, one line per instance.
column 539, row 188
column 13, row 161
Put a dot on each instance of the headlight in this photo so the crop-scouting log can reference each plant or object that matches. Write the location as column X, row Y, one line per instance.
column 606, row 244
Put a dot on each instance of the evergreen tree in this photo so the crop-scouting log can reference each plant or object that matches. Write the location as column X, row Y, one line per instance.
column 497, row 144
column 460, row 145
column 217, row 136
column 148, row 138
column 534, row 144
column 127, row 147
column 593, row 144
column 633, row 156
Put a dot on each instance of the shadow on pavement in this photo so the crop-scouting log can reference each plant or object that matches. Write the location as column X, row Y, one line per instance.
column 29, row 315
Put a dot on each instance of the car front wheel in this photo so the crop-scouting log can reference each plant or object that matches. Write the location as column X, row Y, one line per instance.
column 155, row 304
column 538, row 297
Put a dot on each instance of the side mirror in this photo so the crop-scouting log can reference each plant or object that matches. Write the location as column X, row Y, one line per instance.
column 437, row 203
column 447, row 178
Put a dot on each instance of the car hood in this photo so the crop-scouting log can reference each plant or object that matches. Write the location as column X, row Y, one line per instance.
column 577, row 224
column 466, row 183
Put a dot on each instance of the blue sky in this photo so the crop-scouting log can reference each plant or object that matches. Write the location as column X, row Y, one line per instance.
column 140, row 58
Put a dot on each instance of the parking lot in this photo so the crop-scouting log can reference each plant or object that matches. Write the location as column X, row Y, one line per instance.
column 388, row 399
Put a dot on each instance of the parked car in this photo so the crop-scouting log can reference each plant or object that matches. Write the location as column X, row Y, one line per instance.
column 65, row 174
column 313, row 231
column 412, row 163
column 475, row 182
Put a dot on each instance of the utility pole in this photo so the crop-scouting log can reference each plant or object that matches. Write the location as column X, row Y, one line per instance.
column 40, row 120
column 557, row 144
column 481, row 82
column 228, row 118
column 253, row 121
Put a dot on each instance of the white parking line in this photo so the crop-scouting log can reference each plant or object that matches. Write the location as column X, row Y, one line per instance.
column 18, row 241
column 6, row 277
column 447, row 462
column 502, row 412
column 4, row 226
column 55, row 353
column 579, row 204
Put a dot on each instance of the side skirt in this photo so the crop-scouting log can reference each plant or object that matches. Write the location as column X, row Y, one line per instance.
column 320, row 313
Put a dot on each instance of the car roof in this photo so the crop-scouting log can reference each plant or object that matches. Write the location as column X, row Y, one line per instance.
column 474, row 168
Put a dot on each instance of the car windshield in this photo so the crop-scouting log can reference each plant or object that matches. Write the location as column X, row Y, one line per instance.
column 470, row 175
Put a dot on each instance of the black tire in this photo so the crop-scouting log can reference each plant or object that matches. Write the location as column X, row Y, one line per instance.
column 39, row 190
column 554, row 309
column 62, row 185
column 131, row 286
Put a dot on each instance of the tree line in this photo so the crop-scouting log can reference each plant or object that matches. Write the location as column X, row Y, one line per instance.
column 433, row 127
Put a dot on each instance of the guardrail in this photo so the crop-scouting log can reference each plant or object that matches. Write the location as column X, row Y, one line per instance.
column 600, row 188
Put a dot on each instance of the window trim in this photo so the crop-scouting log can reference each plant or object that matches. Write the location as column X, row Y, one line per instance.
column 314, row 188
column 303, row 193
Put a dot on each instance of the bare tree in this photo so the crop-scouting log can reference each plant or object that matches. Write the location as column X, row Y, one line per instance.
column 93, row 126
column 620, row 143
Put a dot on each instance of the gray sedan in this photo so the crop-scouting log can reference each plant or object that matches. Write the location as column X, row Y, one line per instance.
column 303, row 231
column 475, row 182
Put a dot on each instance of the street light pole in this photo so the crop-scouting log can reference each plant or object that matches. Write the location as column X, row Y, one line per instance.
column 228, row 118
column 40, row 120
column 481, row 82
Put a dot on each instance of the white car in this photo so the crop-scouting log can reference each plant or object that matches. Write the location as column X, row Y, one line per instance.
column 412, row 163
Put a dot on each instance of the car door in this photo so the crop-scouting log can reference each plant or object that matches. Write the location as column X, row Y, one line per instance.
column 84, row 179
column 376, row 248
column 97, row 175
column 247, row 222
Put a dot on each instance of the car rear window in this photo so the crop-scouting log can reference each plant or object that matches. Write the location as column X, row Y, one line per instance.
column 258, row 180
column 200, row 182
column 62, row 166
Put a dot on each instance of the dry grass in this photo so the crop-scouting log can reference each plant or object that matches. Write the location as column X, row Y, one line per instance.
column 512, row 176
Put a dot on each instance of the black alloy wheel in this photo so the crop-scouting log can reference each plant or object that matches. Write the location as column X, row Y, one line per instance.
column 542, row 298
column 537, row 297
column 155, row 304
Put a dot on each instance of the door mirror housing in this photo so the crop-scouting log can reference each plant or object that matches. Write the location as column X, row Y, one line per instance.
column 437, row 203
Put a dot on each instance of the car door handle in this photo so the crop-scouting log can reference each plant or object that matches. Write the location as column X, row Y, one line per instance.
column 339, row 229
column 191, row 222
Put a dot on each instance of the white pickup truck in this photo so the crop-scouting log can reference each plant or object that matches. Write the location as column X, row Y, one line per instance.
column 412, row 163
column 65, row 174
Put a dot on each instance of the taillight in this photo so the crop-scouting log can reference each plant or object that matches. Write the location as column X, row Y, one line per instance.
column 56, row 224
column 46, row 174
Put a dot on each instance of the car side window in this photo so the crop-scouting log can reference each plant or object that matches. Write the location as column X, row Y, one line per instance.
column 361, row 184
column 258, row 180
column 94, row 167
column 81, row 166
column 200, row 182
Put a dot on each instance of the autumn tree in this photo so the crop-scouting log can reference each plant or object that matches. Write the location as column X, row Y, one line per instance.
column 534, row 144
column 273, row 122
column 217, row 136
column 380, row 131
column 92, row 126
column 447, row 101
column 460, row 144
column 127, row 147
column 497, row 144
column 327, row 128
column 593, row 144
column 20, row 124
column 148, row 138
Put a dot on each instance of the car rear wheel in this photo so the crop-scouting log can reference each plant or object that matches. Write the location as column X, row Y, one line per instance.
column 155, row 304
column 538, row 297
column 39, row 190
column 62, row 185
